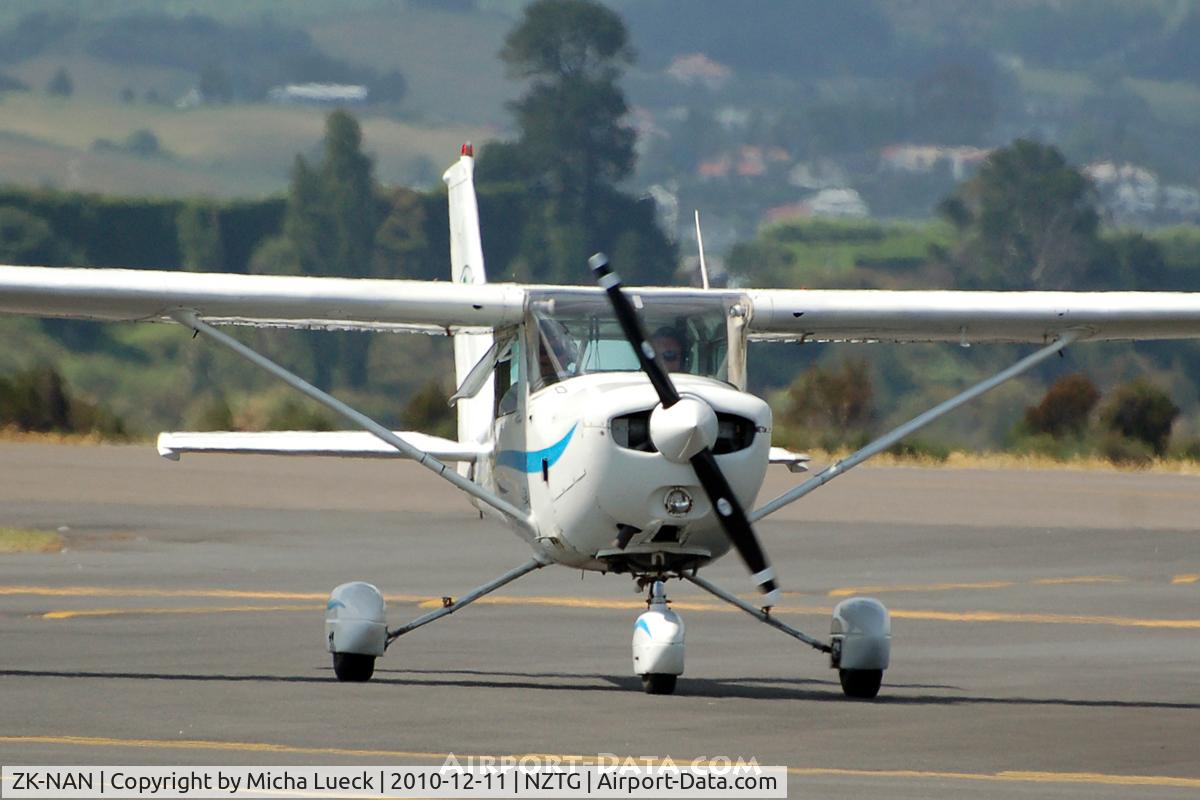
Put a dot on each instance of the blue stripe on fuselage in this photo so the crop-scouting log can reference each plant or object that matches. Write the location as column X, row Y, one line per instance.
column 531, row 461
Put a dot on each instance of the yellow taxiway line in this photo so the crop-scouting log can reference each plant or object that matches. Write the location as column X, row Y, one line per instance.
column 1081, row 579
column 850, row 591
column 142, row 591
column 115, row 612
column 1009, row 776
column 557, row 601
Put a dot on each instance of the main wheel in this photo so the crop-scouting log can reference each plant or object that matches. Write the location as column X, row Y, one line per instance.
column 861, row 684
column 353, row 667
column 658, row 683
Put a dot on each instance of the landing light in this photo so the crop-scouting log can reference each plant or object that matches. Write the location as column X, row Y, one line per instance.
column 678, row 502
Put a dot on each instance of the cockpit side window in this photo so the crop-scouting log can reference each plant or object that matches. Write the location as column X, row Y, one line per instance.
column 557, row 353
column 508, row 374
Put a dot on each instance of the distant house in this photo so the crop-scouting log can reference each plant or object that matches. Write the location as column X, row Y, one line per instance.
column 1182, row 200
column 922, row 158
column 714, row 167
column 1129, row 193
column 318, row 94
column 841, row 203
column 190, row 99
column 818, row 174
column 1106, row 173
column 645, row 128
column 748, row 161
column 699, row 69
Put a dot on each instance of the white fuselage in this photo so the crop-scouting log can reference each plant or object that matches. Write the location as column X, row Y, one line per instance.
column 560, row 455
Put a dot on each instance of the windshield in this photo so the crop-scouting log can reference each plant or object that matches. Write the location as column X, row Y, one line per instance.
column 577, row 334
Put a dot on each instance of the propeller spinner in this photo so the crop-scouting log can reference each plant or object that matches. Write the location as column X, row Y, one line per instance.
column 683, row 428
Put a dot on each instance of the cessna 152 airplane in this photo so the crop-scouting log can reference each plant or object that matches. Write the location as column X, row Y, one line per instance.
column 609, row 427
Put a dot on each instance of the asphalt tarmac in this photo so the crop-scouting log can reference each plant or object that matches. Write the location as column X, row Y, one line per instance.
column 1046, row 629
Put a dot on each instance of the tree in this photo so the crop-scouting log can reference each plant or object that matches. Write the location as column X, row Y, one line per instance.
column 142, row 142
column 349, row 192
column 1065, row 408
column 329, row 228
column 28, row 239
column 61, row 84
column 200, row 243
column 215, row 84
column 305, row 220
column 349, row 197
column 1143, row 412
column 1031, row 218
column 832, row 405
column 562, row 39
column 38, row 399
column 571, row 122
column 428, row 411
column 401, row 244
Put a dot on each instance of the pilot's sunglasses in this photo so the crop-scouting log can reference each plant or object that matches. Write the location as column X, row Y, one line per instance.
column 670, row 355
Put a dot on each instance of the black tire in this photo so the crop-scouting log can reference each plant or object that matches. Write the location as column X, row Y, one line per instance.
column 861, row 684
column 658, row 683
column 353, row 667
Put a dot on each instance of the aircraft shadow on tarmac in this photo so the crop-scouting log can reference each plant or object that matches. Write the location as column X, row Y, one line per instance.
column 755, row 688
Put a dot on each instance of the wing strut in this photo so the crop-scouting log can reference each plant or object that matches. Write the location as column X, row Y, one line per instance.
column 915, row 424
column 762, row 615
column 191, row 320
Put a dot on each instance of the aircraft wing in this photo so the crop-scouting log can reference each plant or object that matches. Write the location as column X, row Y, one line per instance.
column 343, row 444
column 443, row 307
column 259, row 300
column 958, row 316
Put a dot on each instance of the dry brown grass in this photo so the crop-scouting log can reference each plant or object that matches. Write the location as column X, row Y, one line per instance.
column 1014, row 461
column 24, row 540
column 10, row 434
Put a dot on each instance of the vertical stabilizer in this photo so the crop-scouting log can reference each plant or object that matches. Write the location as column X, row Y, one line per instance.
column 466, row 266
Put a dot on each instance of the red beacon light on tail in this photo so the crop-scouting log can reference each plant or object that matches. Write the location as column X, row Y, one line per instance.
column 468, row 150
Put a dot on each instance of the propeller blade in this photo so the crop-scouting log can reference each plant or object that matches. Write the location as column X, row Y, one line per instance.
column 631, row 324
column 729, row 511
column 737, row 527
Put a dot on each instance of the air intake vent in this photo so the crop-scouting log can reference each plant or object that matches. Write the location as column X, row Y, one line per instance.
column 632, row 431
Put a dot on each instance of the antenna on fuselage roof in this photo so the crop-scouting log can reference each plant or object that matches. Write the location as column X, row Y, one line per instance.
column 700, row 244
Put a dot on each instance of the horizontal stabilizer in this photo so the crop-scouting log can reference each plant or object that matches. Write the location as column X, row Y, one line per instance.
column 795, row 462
column 341, row 444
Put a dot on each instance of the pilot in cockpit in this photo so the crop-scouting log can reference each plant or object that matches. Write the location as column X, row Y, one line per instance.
column 668, row 344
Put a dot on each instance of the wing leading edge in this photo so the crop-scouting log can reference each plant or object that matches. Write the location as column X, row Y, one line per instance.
column 958, row 316
column 261, row 300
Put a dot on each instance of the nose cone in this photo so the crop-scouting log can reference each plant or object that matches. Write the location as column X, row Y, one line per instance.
column 684, row 429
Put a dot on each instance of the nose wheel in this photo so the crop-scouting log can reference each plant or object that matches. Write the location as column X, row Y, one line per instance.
column 658, row 643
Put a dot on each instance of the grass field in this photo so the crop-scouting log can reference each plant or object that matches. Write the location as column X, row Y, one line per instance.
column 824, row 252
column 1177, row 103
column 234, row 150
column 464, row 81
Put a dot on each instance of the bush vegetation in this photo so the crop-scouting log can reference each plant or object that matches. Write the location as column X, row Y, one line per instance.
column 38, row 401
